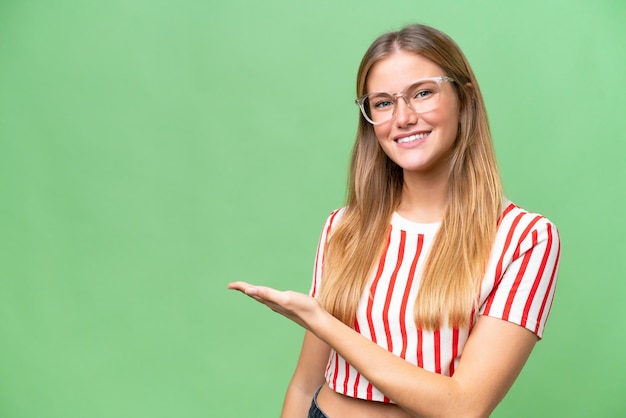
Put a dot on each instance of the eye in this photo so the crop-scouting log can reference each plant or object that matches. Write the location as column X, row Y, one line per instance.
column 381, row 101
column 382, row 104
column 423, row 94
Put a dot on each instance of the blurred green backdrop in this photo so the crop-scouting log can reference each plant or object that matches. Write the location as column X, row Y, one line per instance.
column 153, row 151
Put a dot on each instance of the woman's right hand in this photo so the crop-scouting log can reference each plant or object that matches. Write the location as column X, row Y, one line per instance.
column 302, row 309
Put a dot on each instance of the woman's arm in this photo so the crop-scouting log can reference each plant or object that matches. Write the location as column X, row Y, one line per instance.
column 308, row 376
column 492, row 358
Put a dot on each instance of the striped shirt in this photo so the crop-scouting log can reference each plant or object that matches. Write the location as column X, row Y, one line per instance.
column 518, row 287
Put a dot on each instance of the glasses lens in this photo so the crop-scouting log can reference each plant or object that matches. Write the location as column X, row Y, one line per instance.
column 378, row 107
column 423, row 95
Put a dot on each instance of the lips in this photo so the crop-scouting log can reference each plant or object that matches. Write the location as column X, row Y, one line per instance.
column 412, row 138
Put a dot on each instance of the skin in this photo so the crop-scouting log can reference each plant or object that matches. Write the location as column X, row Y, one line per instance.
column 493, row 357
column 425, row 161
column 495, row 351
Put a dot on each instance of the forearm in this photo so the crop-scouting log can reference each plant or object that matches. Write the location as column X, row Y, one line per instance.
column 492, row 358
column 307, row 378
column 297, row 402
column 421, row 393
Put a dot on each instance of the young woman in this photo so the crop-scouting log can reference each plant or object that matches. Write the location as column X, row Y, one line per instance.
column 430, row 288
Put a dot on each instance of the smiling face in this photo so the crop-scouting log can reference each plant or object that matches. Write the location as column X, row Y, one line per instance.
column 418, row 143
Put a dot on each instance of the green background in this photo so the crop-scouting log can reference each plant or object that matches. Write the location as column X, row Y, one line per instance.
column 152, row 151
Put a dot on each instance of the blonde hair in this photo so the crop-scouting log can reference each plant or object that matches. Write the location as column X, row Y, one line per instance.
column 457, row 260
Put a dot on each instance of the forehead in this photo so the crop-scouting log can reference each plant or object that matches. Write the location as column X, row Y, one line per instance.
column 395, row 71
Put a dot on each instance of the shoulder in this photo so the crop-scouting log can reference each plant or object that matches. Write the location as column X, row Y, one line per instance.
column 525, row 236
column 515, row 221
column 330, row 225
column 520, row 282
column 334, row 218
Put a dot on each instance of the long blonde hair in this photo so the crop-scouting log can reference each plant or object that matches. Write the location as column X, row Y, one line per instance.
column 457, row 260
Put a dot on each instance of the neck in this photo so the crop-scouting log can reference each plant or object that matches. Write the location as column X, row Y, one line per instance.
column 424, row 197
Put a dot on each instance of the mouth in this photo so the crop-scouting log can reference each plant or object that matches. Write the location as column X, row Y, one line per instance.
column 412, row 138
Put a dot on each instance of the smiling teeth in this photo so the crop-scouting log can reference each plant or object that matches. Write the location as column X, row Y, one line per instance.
column 412, row 138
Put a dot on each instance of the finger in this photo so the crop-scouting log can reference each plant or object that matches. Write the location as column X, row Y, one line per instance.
column 240, row 286
column 265, row 293
column 247, row 289
column 261, row 294
column 251, row 291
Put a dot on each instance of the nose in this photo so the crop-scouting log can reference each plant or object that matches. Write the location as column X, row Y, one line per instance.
column 403, row 114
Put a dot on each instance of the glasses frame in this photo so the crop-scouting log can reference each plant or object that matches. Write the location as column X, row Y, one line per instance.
column 401, row 94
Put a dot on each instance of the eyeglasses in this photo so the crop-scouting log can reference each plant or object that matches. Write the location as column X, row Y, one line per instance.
column 420, row 96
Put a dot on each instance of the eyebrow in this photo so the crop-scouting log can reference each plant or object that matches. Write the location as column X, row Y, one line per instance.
column 429, row 78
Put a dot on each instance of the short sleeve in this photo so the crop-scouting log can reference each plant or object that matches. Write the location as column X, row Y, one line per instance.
column 331, row 222
column 524, row 292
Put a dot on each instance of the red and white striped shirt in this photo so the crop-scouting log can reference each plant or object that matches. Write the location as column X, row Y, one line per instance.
column 518, row 287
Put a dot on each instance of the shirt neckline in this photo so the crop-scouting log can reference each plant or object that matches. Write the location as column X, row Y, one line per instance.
column 411, row 226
